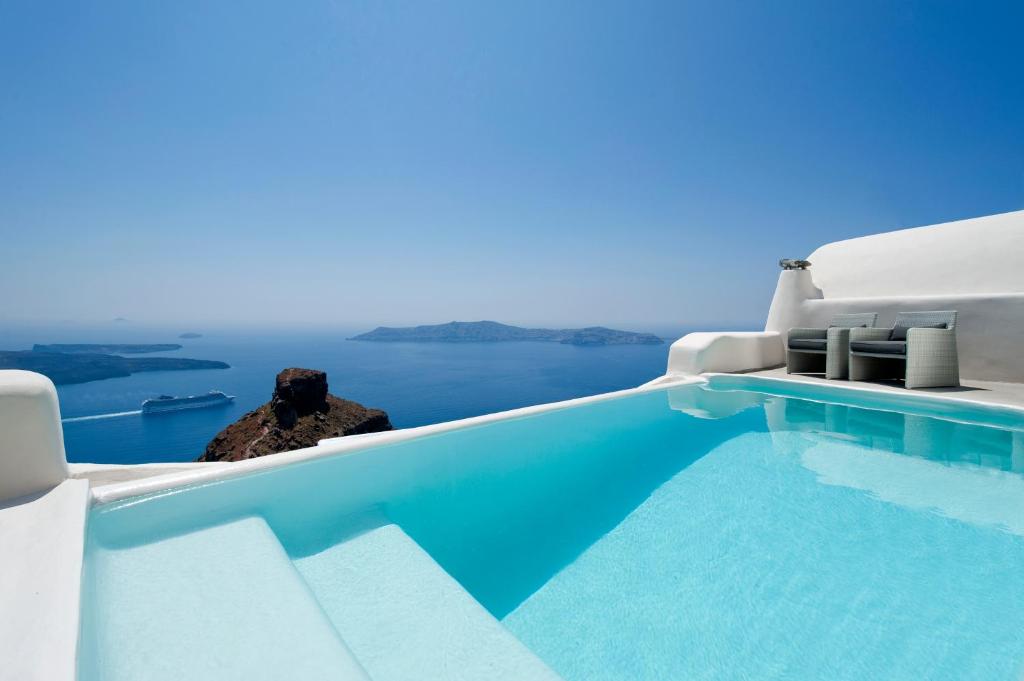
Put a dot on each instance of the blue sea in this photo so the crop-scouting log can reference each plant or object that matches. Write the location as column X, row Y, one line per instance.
column 415, row 383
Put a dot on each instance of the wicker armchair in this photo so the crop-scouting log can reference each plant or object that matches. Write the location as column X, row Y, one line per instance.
column 815, row 350
column 920, row 348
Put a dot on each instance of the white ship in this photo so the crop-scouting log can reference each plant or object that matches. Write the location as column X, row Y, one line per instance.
column 168, row 403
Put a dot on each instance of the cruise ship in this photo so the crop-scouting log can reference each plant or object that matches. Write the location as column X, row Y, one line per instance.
column 168, row 403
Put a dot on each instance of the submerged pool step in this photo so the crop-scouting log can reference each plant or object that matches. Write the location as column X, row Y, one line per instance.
column 404, row 617
column 217, row 604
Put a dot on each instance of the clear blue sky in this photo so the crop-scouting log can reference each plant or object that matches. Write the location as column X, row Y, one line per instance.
column 628, row 163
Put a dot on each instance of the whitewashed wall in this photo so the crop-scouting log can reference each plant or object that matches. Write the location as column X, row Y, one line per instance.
column 977, row 256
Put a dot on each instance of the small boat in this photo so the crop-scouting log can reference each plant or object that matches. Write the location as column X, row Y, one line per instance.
column 164, row 403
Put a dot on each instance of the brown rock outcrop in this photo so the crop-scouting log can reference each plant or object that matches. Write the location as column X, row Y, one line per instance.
column 300, row 413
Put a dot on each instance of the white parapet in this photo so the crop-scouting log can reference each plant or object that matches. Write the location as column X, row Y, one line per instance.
column 725, row 352
column 794, row 288
column 42, row 538
column 31, row 439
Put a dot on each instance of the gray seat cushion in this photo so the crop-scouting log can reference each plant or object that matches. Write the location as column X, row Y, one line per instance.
column 886, row 347
column 807, row 343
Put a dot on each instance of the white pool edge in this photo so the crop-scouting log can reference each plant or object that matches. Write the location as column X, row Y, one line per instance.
column 882, row 394
column 119, row 491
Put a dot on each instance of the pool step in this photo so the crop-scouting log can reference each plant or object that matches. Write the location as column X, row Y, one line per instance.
column 404, row 617
column 217, row 604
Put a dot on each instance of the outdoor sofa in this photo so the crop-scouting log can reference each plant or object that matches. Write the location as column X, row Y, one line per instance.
column 828, row 350
column 920, row 348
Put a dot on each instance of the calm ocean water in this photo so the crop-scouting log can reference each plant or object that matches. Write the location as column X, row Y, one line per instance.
column 416, row 383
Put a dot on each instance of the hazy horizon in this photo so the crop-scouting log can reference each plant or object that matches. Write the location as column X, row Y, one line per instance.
column 23, row 334
column 570, row 164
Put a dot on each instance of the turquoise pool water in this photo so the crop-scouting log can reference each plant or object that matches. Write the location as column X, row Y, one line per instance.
column 693, row 532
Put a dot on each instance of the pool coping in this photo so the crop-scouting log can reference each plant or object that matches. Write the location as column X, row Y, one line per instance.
column 118, row 491
column 886, row 398
column 202, row 473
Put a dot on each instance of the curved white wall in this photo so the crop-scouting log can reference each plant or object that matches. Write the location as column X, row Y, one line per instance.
column 725, row 351
column 31, row 437
column 980, row 255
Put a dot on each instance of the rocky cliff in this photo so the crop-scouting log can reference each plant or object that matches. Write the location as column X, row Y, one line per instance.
column 300, row 413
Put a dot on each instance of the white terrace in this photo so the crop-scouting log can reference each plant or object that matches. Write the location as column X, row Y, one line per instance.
column 971, row 266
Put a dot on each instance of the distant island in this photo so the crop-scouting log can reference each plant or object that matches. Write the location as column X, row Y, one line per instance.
column 191, row 334
column 492, row 332
column 79, row 367
column 106, row 349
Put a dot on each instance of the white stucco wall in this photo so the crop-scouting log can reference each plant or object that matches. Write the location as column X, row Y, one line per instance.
column 724, row 351
column 977, row 256
column 41, row 543
column 32, row 445
column 42, row 525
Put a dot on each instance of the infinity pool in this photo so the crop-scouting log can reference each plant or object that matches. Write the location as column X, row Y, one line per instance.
column 735, row 530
